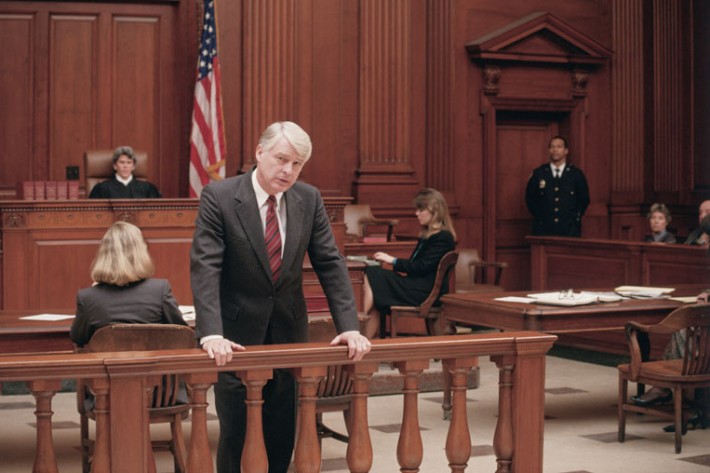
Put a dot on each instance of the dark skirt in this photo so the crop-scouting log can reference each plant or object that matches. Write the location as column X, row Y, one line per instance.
column 389, row 288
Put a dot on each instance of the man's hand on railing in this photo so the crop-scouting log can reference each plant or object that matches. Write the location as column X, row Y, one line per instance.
column 221, row 349
column 358, row 345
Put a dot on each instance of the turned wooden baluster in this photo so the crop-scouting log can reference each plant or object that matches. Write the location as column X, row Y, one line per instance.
column 150, row 384
column 359, row 452
column 409, row 446
column 101, row 460
column 503, row 438
column 199, row 456
column 254, row 459
column 458, row 440
column 307, row 458
column 43, row 392
column 446, row 404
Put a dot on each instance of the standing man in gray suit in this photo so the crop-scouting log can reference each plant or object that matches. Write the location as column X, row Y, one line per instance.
column 247, row 286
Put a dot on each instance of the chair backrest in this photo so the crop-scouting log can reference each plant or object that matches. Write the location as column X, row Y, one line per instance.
column 355, row 215
column 694, row 320
column 98, row 167
column 336, row 383
column 441, row 286
column 465, row 273
column 141, row 337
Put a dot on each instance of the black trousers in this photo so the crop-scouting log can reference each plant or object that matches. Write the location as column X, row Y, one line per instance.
column 278, row 417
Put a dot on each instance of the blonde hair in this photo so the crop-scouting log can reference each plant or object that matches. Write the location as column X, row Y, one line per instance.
column 122, row 257
column 432, row 200
column 293, row 133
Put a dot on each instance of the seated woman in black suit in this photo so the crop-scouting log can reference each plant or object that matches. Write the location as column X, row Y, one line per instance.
column 658, row 218
column 123, row 290
column 383, row 288
column 123, row 185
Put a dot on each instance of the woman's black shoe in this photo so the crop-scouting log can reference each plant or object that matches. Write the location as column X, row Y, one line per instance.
column 690, row 425
column 659, row 398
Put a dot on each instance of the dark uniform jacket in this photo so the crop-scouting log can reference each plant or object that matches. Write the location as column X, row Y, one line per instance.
column 113, row 189
column 557, row 205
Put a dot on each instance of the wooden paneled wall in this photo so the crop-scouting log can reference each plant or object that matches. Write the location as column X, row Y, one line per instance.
column 80, row 76
column 389, row 94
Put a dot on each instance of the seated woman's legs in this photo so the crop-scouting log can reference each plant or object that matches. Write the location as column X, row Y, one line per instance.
column 374, row 326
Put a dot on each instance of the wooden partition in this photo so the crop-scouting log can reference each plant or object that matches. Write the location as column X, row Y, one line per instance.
column 48, row 246
column 118, row 382
column 559, row 263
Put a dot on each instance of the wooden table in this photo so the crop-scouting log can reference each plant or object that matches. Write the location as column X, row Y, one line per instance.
column 18, row 335
column 483, row 309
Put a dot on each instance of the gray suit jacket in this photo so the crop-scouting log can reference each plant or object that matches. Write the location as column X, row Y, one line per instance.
column 150, row 301
column 233, row 291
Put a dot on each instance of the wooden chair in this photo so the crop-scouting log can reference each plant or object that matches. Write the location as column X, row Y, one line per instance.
column 163, row 394
column 98, row 167
column 689, row 373
column 334, row 390
column 359, row 217
column 471, row 272
column 429, row 310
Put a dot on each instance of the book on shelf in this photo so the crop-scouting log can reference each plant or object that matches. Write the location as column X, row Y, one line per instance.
column 73, row 190
column 62, row 190
column 25, row 190
column 40, row 190
column 50, row 190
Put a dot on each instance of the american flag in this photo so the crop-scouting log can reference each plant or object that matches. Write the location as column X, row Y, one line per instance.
column 207, row 144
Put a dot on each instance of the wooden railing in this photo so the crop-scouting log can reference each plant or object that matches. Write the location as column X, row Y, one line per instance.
column 118, row 381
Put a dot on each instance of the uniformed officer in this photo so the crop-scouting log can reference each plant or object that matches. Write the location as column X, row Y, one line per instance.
column 557, row 194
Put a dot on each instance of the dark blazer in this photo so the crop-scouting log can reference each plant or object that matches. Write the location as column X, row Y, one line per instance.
column 113, row 189
column 557, row 205
column 150, row 301
column 694, row 237
column 231, row 280
column 666, row 237
column 389, row 288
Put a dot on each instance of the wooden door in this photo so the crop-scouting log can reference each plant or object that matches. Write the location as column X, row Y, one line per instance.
column 521, row 141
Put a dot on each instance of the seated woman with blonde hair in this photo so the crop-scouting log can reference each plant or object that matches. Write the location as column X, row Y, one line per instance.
column 123, row 289
column 384, row 289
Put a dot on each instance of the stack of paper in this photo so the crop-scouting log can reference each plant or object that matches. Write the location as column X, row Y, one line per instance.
column 188, row 312
column 563, row 298
column 363, row 259
column 643, row 292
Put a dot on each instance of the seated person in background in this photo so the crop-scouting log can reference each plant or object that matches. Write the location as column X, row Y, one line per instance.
column 674, row 351
column 123, row 291
column 123, row 185
column 383, row 288
column 658, row 218
column 700, row 236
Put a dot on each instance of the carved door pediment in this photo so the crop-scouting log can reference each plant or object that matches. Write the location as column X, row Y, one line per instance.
column 538, row 38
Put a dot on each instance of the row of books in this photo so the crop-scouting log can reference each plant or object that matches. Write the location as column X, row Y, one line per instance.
column 48, row 190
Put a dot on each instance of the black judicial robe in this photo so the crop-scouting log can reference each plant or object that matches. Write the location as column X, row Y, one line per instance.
column 114, row 189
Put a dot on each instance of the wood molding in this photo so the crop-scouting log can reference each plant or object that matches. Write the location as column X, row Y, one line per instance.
column 539, row 38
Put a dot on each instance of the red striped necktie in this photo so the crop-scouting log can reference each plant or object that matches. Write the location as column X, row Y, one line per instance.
column 272, row 236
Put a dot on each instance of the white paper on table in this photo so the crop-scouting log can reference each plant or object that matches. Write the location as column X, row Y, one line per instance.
column 685, row 299
column 523, row 300
column 603, row 296
column 188, row 312
column 48, row 317
column 563, row 298
column 643, row 292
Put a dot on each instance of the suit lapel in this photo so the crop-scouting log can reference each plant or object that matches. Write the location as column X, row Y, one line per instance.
column 294, row 226
column 247, row 211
